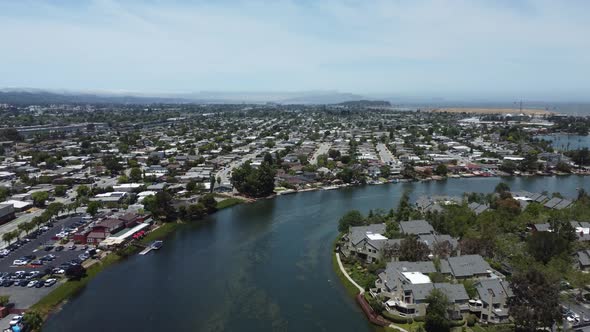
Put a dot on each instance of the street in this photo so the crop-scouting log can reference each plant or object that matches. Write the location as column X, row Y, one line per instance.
column 323, row 148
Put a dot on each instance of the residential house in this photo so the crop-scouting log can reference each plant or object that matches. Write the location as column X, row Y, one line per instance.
column 492, row 305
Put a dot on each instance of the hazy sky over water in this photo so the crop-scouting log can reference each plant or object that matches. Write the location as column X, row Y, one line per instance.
column 489, row 49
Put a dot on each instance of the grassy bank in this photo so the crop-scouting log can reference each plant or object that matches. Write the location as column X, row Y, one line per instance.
column 350, row 288
column 228, row 203
column 73, row 287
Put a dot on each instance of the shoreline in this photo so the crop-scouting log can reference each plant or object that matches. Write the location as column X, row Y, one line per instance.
column 53, row 301
column 58, row 297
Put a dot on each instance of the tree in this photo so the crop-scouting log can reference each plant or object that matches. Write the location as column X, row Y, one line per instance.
column 92, row 208
column 351, row 218
column 392, row 230
column 33, row 320
column 413, row 250
column 390, row 251
column 441, row 170
column 82, row 191
column 442, row 249
column 535, row 303
column 209, row 202
column 60, row 191
column 75, row 272
column 385, row 171
column 501, row 188
column 194, row 212
column 39, row 198
column 4, row 300
column 8, row 237
column 160, row 205
column 404, row 208
column 191, row 186
column 508, row 166
column 254, row 182
column 135, row 174
column 436, row 312
column 563, row 167
column 112, row 164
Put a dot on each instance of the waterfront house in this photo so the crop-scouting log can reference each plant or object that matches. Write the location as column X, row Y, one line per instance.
column 366, row 242
column 405, row 287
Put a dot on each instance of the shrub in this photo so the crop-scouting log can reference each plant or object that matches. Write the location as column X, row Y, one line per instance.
column 457, row 323
column 419, row 319
column 471, row 319
column 396, row 318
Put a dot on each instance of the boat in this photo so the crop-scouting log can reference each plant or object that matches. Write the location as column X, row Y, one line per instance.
column 157, row 245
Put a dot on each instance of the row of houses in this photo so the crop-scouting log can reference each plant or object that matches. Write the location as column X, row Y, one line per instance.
column 404, row 286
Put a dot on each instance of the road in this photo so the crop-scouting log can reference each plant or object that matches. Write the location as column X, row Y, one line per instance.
column 323, row 148
column 225, row 172
column 385, row 155
column 12, row 225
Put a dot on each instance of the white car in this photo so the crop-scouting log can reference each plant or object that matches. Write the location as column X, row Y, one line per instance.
column 32, row 283
column 19, row 262
column 50, row 282
column 15, row 320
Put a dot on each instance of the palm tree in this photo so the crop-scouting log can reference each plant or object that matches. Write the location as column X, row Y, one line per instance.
column 8, row 237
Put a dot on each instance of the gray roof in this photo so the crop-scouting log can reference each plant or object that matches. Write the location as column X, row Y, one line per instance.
column 552, row 202
column 500, row 290
column 357, row 233
column 477, row 208
column 454, row 292
column 420, row 291
column 468, row 265
column 378, row 244
column 545, row 227
column 583, row 257
column 416, row 227
column 393, row 270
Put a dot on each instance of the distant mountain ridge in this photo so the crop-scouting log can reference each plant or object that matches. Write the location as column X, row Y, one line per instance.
column 38, row 96
column 366, row 103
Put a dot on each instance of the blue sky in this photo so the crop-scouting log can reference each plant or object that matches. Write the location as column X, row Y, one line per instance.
column 505, row 49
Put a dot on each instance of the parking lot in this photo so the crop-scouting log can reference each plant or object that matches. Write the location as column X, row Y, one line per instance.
column 45, row 256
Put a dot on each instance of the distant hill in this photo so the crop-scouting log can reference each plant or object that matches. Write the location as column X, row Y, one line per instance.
column 38, row 96
column 366, row 103
column 45, row 97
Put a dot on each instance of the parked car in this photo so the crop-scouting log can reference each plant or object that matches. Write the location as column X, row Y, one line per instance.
column 59, row 248
column 15, row 320
column 50, row 282
column 23, row 283
column 20, row 262
column 72, row 246
column 40, row 284
column 32, row 283
column 37, row 262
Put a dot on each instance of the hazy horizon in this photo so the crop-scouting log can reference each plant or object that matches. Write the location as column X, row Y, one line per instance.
column 455, row 50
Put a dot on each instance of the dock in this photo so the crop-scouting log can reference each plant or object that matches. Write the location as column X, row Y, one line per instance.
column 154, row 246
column 146, row 250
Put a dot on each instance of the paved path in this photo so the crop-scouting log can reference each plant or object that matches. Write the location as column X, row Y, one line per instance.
column 323, row 148
column 385, row 155
column 362, row 290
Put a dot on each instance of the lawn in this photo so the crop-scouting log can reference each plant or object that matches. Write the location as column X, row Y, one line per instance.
column 228, row 203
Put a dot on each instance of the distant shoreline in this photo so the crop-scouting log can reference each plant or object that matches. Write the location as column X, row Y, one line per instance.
column 492, row 111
